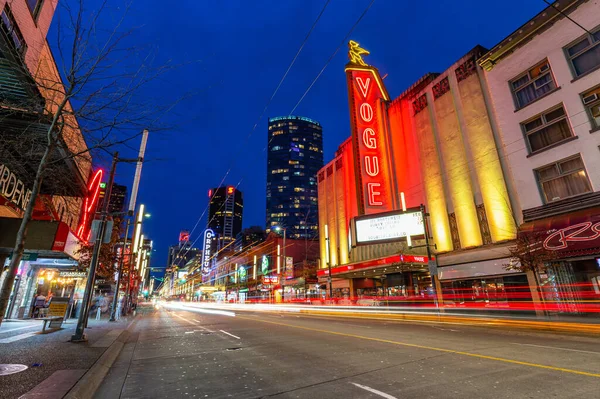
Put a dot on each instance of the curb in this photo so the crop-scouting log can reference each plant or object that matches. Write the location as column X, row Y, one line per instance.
column 91, row 380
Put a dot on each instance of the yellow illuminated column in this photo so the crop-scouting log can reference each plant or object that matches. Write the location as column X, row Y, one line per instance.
column 322, row 202
column 340, row 210
column 486, row 161
column 278, row 259
column 456, row 167
column 432, row 182
column 254, row 269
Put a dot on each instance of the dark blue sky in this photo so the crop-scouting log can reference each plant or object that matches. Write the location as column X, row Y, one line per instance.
column 234, row 54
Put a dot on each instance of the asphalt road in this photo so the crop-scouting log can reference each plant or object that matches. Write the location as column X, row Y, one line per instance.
column 181, row 353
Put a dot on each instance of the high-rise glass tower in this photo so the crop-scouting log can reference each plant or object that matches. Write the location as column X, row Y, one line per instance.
column 294, row 158
column 225, row 216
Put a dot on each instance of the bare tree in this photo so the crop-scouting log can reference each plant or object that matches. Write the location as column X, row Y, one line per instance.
column 86, row 99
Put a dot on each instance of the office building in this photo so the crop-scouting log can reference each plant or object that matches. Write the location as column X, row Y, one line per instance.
column 225, row 216
column 295, row 155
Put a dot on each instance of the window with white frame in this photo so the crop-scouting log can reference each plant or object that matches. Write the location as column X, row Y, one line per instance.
column 584, row 53
column 547, row 129
column 563, row 179
column 591, row 102
column 532, row 84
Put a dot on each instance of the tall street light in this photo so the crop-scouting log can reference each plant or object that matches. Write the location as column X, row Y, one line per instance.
column 328, row 260
column 284, row 229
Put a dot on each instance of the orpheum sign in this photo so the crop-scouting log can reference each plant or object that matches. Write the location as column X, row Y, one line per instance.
column 367, row 98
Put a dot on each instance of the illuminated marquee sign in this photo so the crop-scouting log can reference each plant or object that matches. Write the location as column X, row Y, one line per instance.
column 367, row 96
column 389, row 227
column 206, row 251
column 89, row 206
column 270, row 279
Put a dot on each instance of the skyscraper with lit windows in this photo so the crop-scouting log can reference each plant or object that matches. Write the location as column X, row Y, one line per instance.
column 295, row 155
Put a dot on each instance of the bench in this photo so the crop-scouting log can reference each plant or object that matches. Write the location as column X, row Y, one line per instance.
column 51, row 322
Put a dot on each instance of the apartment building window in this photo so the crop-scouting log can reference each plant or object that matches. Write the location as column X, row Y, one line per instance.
column 532, row 84
column 10, row 28
column 591, row 102
column 547, row 129
column 563, row 179
column 34, row 7
column 584, row 53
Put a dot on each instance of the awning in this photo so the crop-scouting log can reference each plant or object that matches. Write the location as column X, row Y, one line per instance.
column 394, row 261
column 572, row 234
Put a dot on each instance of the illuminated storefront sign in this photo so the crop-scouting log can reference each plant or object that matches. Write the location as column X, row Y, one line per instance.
column 270, row 279
column 376, row 263
column 367, row 96
column 389, row 227
column 264, row 266
column 242, row 273
column 206, row 251
column 89, row 206
column 13, row 189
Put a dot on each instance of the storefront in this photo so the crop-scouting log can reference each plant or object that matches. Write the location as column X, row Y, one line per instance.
column 569, row 281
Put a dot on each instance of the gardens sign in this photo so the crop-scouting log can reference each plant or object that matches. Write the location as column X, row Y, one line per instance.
column 13, row 189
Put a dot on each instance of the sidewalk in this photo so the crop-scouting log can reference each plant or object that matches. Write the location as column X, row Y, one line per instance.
column 51, row 356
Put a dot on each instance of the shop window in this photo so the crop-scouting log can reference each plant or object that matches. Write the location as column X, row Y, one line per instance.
column 584, row 53
column 591, row 102
column 532, row 84
column 547, row 129
column 563, row 179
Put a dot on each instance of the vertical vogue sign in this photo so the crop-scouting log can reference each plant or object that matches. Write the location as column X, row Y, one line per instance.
column 368, row 131
column 206, row 251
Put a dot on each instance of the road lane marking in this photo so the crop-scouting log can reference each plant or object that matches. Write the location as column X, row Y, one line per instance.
column 455, row 352
column 17, row 338
column 184, row 319
column 234, row 336
column 375, row 391
column 19, row 328
column 562, row 349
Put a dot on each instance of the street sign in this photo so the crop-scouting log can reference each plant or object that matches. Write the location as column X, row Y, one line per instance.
column 27, row 256
column 432, row 267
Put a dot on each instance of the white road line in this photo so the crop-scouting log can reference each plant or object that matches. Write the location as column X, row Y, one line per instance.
column 16, row 338
column 562, row 349
column 19, row 328
column 375, row 391
column 234, row 336
column 183, row 318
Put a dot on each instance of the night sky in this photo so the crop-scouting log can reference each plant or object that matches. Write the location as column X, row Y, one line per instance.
column 232, row 56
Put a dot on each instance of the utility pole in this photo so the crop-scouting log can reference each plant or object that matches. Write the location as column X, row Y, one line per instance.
column 132, row 200
column 431, row 263
column 79, row 335
column 328, row 256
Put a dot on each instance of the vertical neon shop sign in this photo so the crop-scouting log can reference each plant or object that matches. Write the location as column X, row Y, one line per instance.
column 89, row 206
column 367, row 96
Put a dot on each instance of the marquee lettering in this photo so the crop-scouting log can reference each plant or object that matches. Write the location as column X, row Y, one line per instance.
column 374, row 193
column 89, row 206
column 369, row 138
column 363, row 85
column 366, row 112
column 372, row 165
column 13, row 189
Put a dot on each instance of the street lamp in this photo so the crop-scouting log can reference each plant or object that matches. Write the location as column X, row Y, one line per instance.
column 327, row 256
column 284, row 229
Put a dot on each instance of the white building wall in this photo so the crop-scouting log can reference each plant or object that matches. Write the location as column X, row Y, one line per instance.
column 549, row 44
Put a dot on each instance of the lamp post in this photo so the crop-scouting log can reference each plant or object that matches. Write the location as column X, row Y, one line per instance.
column 327, row 255
column 282, row 276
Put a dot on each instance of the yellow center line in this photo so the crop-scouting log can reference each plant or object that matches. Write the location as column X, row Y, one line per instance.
column 455, row 352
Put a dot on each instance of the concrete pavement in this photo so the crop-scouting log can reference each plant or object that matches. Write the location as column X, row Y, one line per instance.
column 182, row 353
column 51, row 359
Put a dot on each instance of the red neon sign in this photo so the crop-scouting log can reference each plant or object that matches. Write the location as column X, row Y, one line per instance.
column 230, row 190
column 89, row 206
column 368, row 132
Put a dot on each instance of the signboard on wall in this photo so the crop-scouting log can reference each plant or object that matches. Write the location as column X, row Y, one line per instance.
column 389, row 227
column 207, row 251
column 367, row 97
column 289, row 267
column 13, row 188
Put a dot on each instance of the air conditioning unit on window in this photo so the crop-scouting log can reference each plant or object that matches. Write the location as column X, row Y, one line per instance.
column 555, row 198
column 590, row 99
column 544, row 68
